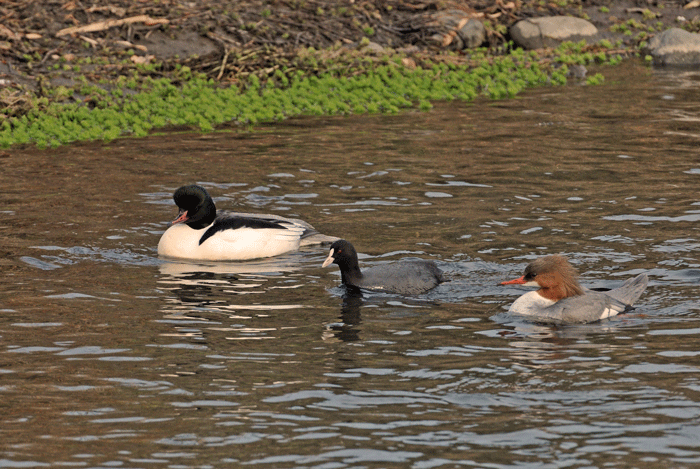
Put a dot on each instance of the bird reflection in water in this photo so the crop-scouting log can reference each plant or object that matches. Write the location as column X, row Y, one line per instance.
column 347, row 329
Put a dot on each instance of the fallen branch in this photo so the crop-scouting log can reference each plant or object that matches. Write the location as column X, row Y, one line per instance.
column 103, row 25
column 223, row 66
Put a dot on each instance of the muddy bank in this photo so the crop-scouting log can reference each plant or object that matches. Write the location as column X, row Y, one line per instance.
column 50, row 48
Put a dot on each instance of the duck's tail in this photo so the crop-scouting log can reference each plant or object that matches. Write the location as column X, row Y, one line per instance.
column 630, row 291
column 312, row 237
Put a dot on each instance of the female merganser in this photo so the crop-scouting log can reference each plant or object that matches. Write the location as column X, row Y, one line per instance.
column 198, row 233
column 560, row 298
column 406, row 277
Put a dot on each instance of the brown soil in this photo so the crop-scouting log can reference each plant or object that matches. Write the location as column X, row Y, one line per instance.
column 228, row 38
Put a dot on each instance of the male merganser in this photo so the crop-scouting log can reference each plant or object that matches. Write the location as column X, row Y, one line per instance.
column 198, row 233
column 560, row 298
column 406, row 277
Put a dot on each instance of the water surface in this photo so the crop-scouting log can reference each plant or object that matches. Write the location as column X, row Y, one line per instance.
column 110, row 356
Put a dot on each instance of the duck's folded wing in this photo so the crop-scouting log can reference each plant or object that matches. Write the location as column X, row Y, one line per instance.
column 230, row 227
column 309, row 235
column 267, row 217
column 590, row 307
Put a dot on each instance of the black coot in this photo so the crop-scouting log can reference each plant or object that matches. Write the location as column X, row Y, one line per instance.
column 407, row 277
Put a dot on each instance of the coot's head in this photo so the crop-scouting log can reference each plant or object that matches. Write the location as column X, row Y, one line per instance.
column 342, row 253
column 196, row 206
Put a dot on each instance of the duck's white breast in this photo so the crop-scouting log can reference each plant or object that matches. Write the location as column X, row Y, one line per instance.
column 182, row 242
column 530, row 303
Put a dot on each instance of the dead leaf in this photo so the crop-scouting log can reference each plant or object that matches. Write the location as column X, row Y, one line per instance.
column 117, row 11
column 138, row 59
column 8, row 33
column 693, row 4
column 447, row 39
column 33, row 36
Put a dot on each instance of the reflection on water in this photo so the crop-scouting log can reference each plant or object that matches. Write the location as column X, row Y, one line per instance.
column 113, row 357
column 347, row 328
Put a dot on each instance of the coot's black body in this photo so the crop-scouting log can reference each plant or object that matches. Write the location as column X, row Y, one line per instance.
column 406, row 277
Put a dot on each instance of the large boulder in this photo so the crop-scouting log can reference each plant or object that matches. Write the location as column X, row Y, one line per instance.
column 675, row 47
column 550, row 31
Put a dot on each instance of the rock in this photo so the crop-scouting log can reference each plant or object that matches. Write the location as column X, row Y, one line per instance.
column 184, row 44
column 366, row 46
column 550, row 31
column 456, row 30
column 373, row 48
column 473, row 34
column 675, row 47
column 577, row 71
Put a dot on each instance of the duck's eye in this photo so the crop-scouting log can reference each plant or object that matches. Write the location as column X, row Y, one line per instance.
column 530, row 275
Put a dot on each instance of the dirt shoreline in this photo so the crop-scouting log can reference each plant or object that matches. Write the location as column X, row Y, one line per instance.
column 47, row 45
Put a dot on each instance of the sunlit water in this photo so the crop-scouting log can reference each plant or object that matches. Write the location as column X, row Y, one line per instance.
column 110, row 357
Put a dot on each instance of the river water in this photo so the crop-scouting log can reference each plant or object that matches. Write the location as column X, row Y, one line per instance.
column 110, row 357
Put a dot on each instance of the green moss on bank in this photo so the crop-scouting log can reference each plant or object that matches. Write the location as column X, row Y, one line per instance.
column 319, row 84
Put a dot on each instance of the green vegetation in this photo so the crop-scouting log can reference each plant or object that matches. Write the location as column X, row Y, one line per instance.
column 628, row 27
column 332, row 84
column 596, row 79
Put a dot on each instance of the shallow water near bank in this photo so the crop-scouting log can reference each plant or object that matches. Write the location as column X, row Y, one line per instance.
column 110, row 356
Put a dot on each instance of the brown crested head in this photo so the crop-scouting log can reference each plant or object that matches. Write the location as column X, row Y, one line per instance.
column 556, row 277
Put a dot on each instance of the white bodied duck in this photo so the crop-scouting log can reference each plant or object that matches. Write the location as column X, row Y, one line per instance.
column 199, row 233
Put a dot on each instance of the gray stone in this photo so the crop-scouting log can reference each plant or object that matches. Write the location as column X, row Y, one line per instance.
column 455, row 30
column 374, row 48
column 675, row 47
column 371, row 48
column 182, row 44
column 550, row 31
column 473, row 34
